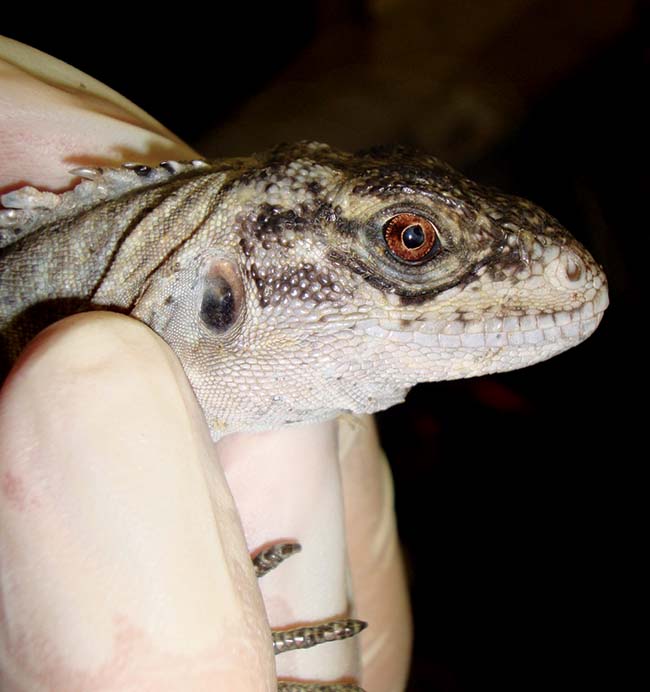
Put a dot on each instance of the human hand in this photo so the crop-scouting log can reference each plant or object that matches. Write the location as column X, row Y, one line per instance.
column 121, row 548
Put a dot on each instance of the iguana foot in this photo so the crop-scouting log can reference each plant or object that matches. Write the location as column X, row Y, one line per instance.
column 271, row 557
column 307, row 636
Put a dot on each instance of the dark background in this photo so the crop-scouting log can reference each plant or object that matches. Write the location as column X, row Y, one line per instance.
column 519, row 495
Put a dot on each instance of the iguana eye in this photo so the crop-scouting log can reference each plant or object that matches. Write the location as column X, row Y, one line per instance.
column 411, row 238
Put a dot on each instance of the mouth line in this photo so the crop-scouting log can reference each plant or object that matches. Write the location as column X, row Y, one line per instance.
column 495, row 331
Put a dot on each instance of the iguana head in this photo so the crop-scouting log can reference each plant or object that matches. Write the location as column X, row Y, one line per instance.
column 324, row 282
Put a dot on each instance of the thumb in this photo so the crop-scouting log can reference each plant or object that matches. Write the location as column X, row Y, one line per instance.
column 123, row 564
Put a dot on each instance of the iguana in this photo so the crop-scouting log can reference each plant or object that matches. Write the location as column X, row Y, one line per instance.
column 302, row 283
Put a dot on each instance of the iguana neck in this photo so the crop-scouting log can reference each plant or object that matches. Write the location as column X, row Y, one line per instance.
column 99, row 258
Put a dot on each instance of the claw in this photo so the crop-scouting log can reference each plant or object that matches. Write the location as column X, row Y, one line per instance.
column 269, row 559
column 312, row 635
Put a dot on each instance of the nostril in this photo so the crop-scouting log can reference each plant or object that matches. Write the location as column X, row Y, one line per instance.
column 573, row 267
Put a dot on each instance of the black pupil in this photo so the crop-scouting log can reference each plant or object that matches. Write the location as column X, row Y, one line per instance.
column 413, row 236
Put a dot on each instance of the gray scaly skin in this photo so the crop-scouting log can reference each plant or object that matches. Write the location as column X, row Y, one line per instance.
column 305, row 282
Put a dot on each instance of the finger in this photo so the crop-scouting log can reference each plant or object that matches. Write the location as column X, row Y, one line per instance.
column 375, row 556
column 287, row 486
column 54, row 117
column 123, row 564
